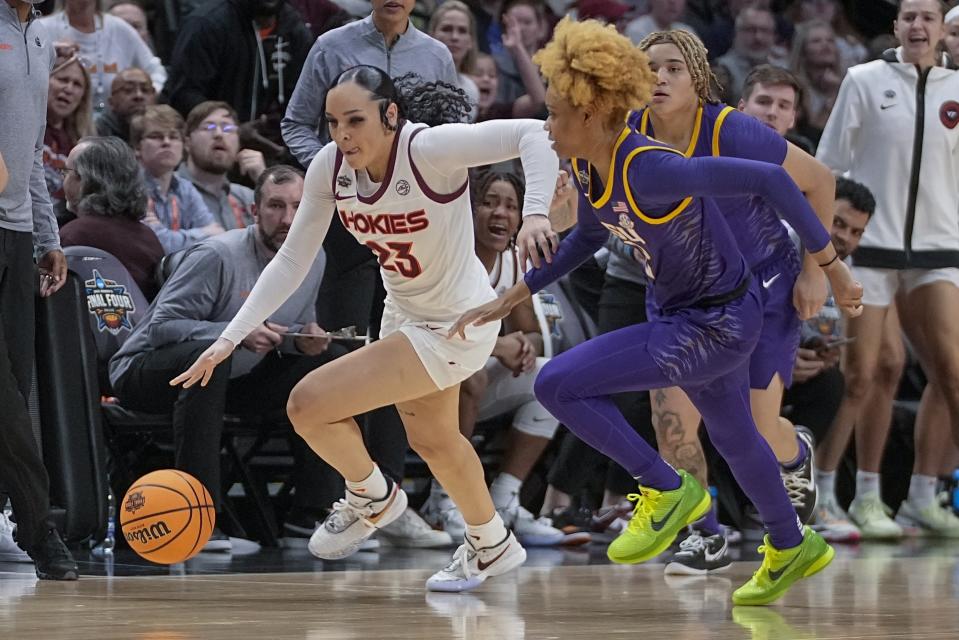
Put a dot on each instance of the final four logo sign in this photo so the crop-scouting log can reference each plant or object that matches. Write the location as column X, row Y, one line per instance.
column 110, row 303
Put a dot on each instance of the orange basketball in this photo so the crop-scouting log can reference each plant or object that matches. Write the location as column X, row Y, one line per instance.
column 167, row 516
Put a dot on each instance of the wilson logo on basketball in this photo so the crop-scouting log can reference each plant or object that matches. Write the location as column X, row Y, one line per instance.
column 949, row 114
column 135, row 502
column 146, row 534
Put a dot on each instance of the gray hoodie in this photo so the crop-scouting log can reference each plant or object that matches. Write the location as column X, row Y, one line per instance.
column 304, row 125
column 26, row 57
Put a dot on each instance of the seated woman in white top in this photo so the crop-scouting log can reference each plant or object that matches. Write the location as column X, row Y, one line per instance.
column 401, row 188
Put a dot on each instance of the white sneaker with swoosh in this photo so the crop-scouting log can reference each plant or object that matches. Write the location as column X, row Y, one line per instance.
column 470, row 566
column 769, row 283
column 352, row 520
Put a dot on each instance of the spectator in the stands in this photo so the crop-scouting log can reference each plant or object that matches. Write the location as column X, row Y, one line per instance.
column 664, row 15
column 816, row 60
column 104, row 189
column 247, row 53
column 131, row 93
column 213, row 150
column 175, row 209
column 951, row 40
column 107, row 44
column 851, row 48
column 134, row 15
column 68, row 119
column 753, row 45
column 525, row 29
column 453, row 24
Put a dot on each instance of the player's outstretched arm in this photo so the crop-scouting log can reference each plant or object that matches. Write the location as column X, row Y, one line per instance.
column 491, row 311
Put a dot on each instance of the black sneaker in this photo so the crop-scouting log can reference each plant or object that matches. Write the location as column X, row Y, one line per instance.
column 574, row 523
column 800, row 483
column 53, row 560
column 700, row 555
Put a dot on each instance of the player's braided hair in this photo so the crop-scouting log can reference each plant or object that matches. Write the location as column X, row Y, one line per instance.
column 588, row 63
column 432, row 103
column 694, row 53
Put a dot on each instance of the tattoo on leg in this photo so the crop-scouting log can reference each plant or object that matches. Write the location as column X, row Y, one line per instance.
column 674, row 446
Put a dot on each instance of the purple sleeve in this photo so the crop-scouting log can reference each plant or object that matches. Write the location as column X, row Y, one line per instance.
column 587, row 238
column 743, row 136
column 660, row 178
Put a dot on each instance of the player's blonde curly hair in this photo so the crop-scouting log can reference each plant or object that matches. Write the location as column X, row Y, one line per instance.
column 589, row 63
column 694, row 53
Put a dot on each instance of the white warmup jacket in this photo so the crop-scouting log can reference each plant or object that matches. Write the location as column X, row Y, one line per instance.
column 896, row 130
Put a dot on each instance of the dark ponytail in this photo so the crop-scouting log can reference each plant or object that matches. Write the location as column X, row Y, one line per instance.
column 432, row 103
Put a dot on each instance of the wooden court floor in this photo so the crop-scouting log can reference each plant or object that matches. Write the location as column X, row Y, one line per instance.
column 870, row 591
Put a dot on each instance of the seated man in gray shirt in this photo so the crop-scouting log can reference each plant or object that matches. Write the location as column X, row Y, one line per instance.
column 190, row 312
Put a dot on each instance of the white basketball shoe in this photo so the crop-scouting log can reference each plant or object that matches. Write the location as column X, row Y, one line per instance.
column 470, row 566
column 353, row 520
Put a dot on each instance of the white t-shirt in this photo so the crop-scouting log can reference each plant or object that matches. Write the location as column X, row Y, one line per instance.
column 418, row 220
column 111, row 48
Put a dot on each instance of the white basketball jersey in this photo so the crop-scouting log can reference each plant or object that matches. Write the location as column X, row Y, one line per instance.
column 422, row 239
column 505, row 274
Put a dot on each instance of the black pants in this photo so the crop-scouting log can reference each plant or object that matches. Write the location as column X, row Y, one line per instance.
column 22, row 474
column 198, row 411
column 621, row 304
column 354, row 296
column 814, row 403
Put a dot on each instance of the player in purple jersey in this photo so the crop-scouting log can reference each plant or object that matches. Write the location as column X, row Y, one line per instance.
column 684, row 114
column 709, row 308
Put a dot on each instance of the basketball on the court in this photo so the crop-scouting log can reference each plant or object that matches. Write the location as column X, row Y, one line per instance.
column 167, row 516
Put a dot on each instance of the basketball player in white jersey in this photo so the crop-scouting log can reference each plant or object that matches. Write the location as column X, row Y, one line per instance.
column 401, row 189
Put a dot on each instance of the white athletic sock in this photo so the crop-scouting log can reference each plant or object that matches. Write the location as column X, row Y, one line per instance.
column 487, row 535
column 826, row 483
column 867, row 484
column 372, row 487
column 504, row 490
column 922, row 490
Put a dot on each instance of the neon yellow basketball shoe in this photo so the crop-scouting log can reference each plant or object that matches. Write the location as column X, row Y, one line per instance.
column 780, row 569
column 658, row 517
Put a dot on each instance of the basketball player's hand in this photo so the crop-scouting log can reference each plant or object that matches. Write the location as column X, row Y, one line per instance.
column 312, row 346
column 808, row 365
column 810, row 292
column 265, row 337
column 562, row 209
column 846, row 291
column 202, row 370
column 491, row 311
column 535, row 236
column 53, row 272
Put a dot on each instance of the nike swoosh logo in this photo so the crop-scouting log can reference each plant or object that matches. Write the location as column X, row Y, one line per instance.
column 886, row 106
column 536, row 419
column 710, row 557
column 768, row 283
column 483, row 566
column 776, row 575
column 657, row 526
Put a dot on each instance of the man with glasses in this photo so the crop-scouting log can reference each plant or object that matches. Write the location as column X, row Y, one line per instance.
column 175, row 209
column 130, row 94
column 213, row 150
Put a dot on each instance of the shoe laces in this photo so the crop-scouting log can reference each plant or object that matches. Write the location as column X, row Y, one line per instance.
column 647, row 501
column 797, row 487
column 344, row 514
column 461, row 561
column 771, row 556
column 693, row 544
